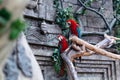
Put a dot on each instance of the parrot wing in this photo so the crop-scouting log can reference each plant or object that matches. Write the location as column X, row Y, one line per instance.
column 79, row 32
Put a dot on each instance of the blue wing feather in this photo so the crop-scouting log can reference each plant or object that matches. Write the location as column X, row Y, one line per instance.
column 79, row 32
column 59, row 48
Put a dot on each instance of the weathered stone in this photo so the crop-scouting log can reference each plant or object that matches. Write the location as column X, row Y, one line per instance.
column 50, row 10
column 10, row 69
column 95, row 66
column 83, row 20
column 95, row 22
column 90, row 29
column 92, row 39
column 71, row 1
column 36, row 71
column 108, row 9
column 32, row 9
column 74, row 7
column 52, row 75
column 42, row 11
column 46, row 10
column 35, row 37
column 40, row 1
column 31, row 22
column 91, row 14
column 40, row 50
column 24, row 63
column 97, row 4
column 50, row 28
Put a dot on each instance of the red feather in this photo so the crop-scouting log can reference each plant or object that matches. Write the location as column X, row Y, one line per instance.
column 73, row 26
column 64, row 46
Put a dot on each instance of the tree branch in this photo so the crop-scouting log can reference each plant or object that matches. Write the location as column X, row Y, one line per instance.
column 72, row 74
column 94, row 48
column 106, row 23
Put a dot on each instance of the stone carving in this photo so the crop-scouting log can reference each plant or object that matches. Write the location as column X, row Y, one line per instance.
column 17, row 61
column 11, row 70
column 34, row 36
column 32, row 4
column 32, row 8
column 24, row 63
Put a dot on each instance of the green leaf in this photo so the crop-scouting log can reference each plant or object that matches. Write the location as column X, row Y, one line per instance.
column 16, row 27
column 13, row 34
column 5, row 14
column 57, row 60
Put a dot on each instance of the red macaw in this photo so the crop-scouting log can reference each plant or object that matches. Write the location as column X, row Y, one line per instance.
column 63, row 45
column 75, row 30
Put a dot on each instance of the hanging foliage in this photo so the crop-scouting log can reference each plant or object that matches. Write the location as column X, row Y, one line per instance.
column 62, row 14
column 116, row 8
column 56, row 60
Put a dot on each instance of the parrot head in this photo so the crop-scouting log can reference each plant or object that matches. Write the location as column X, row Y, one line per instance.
column 71, row 23
column 62, row 43
column 60, row 38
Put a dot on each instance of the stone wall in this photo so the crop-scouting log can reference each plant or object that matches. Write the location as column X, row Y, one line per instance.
column 41, row 31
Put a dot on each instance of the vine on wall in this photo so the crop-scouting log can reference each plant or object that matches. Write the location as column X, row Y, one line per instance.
column 116, row 8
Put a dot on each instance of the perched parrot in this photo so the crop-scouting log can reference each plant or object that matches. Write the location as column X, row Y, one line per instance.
column 63, row 45
column 75, row 30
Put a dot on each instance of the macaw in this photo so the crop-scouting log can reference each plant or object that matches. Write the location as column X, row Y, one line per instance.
column 75, row 30
column 63, row 45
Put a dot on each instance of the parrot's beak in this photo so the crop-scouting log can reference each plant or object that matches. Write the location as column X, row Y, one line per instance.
column 57, row 38
column 68, row 24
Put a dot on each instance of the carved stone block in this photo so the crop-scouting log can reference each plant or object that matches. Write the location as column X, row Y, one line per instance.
column 42, row 11
column 32, row 9
column 46, row 10
column 92, row 39
column 103, row 7
column 83, row 20
column 97, row 3
column 71, row 1
column 34, row 36
column 50, row 28
column 95, row 22
column 108, row 9
column 74, row 7
column 90, row 68
column 40, row 50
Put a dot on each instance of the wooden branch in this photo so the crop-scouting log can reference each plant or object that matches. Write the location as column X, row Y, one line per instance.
column 72, row 74
column 109, row 40
column 94, row 48
column 112, row 23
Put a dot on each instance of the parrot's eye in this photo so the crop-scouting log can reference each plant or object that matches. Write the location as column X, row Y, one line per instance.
column 69, row 23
